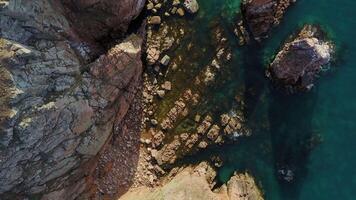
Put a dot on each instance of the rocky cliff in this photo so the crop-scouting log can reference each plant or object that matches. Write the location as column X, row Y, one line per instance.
column 60, row 98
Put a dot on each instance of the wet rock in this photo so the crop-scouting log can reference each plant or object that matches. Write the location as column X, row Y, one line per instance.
column 301, row 60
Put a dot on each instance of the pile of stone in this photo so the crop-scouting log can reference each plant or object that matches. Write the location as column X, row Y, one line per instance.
column 222, row 56
column 207, row 133
column 180, row 109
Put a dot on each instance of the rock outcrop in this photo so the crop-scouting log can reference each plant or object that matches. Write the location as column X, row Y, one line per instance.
column 97, row 19
column 262, row 15
column 58, row 108
column 301, row 60
column 197, row 183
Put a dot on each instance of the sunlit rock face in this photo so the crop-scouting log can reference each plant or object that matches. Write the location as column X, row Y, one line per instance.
column 58, row 107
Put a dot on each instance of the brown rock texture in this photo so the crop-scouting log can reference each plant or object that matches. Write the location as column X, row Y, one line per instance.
column 196, row 182
column 59, row 108
column 95, row 19
column 299, row 61
column 262, row 15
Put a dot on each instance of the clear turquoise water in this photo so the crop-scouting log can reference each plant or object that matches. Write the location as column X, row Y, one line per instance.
column 315, row 133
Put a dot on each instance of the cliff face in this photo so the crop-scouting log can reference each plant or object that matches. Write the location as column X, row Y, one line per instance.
column 57, row 107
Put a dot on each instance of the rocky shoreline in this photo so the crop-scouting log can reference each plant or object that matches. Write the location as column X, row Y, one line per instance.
column 91, row 110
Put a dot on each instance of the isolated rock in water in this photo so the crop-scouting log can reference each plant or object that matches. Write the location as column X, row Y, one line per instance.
column 300, row 61
column 191, row 6
column 197, row 183
column 262, row 15
column 57, row 109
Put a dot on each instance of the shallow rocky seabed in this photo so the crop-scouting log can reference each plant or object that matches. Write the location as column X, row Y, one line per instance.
column 288, row 142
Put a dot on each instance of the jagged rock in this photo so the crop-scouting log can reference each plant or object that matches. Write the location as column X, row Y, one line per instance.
column 301, row 60
column 262, row 15
column 58, row 110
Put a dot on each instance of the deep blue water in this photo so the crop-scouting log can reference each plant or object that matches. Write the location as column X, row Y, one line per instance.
column 313, row 134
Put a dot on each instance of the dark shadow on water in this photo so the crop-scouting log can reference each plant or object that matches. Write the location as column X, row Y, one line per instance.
column 290, row 128
column 292, row 138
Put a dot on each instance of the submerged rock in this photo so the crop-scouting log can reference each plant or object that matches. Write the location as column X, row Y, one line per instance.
column 301, row 60
column 262, row 15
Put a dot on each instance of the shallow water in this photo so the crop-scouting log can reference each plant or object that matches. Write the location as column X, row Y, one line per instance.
column 312, row 134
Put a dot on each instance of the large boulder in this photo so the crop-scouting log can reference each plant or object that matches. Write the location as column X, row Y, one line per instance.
column 262, row 15
column 301, row 60
column 58, row 108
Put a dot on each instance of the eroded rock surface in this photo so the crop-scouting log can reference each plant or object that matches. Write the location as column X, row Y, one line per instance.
column 57, row 109
column 262, row 15
column 197, row 183
column 301, row 60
